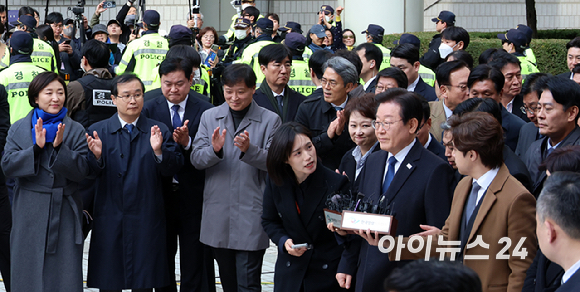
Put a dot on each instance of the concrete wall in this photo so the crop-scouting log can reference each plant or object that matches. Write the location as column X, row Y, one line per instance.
column 497, row 15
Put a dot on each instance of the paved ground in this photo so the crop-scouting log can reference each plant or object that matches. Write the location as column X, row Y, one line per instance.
column 267, row 269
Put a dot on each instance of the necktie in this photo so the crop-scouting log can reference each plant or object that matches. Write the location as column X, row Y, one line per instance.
column 129, row 128
column 471, row 202
column 280, row 99
column 175, row 121
column 337, row 108
column 390, row 174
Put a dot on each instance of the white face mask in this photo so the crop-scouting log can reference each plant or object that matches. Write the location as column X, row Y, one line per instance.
column 327, row 18
column 82, row 67
column 240, row 34
column 244, row 6
column 445, row 50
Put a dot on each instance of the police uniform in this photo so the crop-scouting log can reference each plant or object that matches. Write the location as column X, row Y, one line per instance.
column 526, row 66
column 378, row 31
column 250, row 54
column 530, row 56
column 230, row 34
column 426, row 74
column 235, row 51
column 528, row 32
column 89, row 97
column 201, row 81
column 300, row 80
column 518, row 39
column 142, row 55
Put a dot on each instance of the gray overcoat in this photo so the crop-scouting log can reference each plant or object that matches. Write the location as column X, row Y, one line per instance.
column 234, row 184
column 46, row 241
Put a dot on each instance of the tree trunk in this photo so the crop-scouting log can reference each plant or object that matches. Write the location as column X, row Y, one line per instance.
column 531, row 16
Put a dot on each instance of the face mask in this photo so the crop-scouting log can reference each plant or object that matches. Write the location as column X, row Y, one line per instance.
column 244, row 6
column 68, row 31
column 240, row 34
column 445, row 50
column 82, row 67
column 327, row 18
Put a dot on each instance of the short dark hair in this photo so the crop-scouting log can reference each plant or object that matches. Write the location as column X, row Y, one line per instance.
column 317, row 60
column 530, row 83
column 564, row 91
column 573, row 43
column 365, row 105
column 476, row 104
column 185, row 51
column 351, row 57
column 273, row 15
column 281, row 149
column 480, row 132
column 485, row 72
column 252, row 11
column 445, row 69
column 239, row 73
column 348, row 29
column 457, row 34
column 421, row 276
column 40, row 82
column 502, row 59
column 372, row 52
column 97, row 53
column 487, row 55
column 406, row 51
column 566, row 158
column 462, row 55
column 174, row 64
column 24, row 10
column 54, row 17
column 45, row 30
column 2, row 8
column 395, row 73
column 274, row 53
column 409, row 102
column 560, row 201
column 125, row 78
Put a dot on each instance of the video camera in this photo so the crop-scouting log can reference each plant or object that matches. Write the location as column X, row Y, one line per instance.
column 79, row 9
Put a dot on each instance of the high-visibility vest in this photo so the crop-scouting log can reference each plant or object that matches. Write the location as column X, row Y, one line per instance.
column 527, row 67
column 43, row 56
column 16, row 79
column 147, row 52
column 530, row 56
column 427, row 75
column 250, row 57
column 300, row 80
column 386, row 57
column 201, row 82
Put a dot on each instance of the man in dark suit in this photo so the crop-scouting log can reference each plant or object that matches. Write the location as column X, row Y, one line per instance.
column 416, row 184
column 572, row 57
column 487, row 82
column 180, row 111
column 557, row 119
column 406, row 58
column 511, row 97
column 558, row 225
column 324, row 116
column 531, row 96
column 274, row 93
column 371, row 58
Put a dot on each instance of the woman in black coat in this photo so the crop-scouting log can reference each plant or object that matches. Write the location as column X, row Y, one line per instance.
column 295, row 195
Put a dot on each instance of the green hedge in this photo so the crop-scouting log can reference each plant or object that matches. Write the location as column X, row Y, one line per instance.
column 550, row 53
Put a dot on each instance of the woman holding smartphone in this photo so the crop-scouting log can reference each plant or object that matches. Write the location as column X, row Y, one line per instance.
column 293, row 216
column 210, row 55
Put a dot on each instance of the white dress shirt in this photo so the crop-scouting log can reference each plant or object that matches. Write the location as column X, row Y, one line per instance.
column 484, row 181
column 400, row 156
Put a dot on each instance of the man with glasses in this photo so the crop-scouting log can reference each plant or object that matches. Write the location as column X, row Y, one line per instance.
column 324, row 115
column 557, row 113
column 530, row 132
column 414, row 182
column 129, row 155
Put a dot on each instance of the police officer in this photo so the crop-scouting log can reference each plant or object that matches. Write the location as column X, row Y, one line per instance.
column 43, row 54
column 431, row 59
column 290, row 26
column 263, row 34
column 374, row 34
column 514, row 42
column 142, row 55
column 427, row 74
column 530, row 56
column 300, row 80
column 89, row 97
column 19, row 74
column 243, row 37
column 245, row 4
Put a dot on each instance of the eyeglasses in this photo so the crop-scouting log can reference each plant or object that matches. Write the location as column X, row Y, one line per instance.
column 127, row 98
column 385, row 125
column 348, row 37
column 531, row 110
column 461, row 87
column 325, row 81
column 208, row 37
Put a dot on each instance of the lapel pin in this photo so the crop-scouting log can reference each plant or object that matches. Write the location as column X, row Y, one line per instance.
column 409, row 166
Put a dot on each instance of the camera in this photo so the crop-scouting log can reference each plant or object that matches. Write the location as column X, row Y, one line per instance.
column 109, row 4
column 79, row 9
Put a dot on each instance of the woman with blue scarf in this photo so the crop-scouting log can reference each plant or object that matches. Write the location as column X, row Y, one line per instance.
column 46, row 154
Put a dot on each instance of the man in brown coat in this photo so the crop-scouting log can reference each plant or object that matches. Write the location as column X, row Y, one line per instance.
column 489, row 208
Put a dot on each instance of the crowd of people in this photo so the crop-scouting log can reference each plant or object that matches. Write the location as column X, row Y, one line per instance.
column 220, row 145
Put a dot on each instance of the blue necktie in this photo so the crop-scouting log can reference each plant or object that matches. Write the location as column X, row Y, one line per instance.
column 129, row 128
column 337, row 108
column 390, row 174
column 471, row 203
column 176, row 121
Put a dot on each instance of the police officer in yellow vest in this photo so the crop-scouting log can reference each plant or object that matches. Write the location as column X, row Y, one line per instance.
column 426, row 74
column 514, row 42
column 530, row 56
column 300, row 80
column 43, row 54
column 263, row 34
column 245, row 4
column 375, row 34
column 19, row 74
column 142, row 55
column 201, row 81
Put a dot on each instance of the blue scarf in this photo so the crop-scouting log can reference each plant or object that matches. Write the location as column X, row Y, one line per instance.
column 49, row 122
